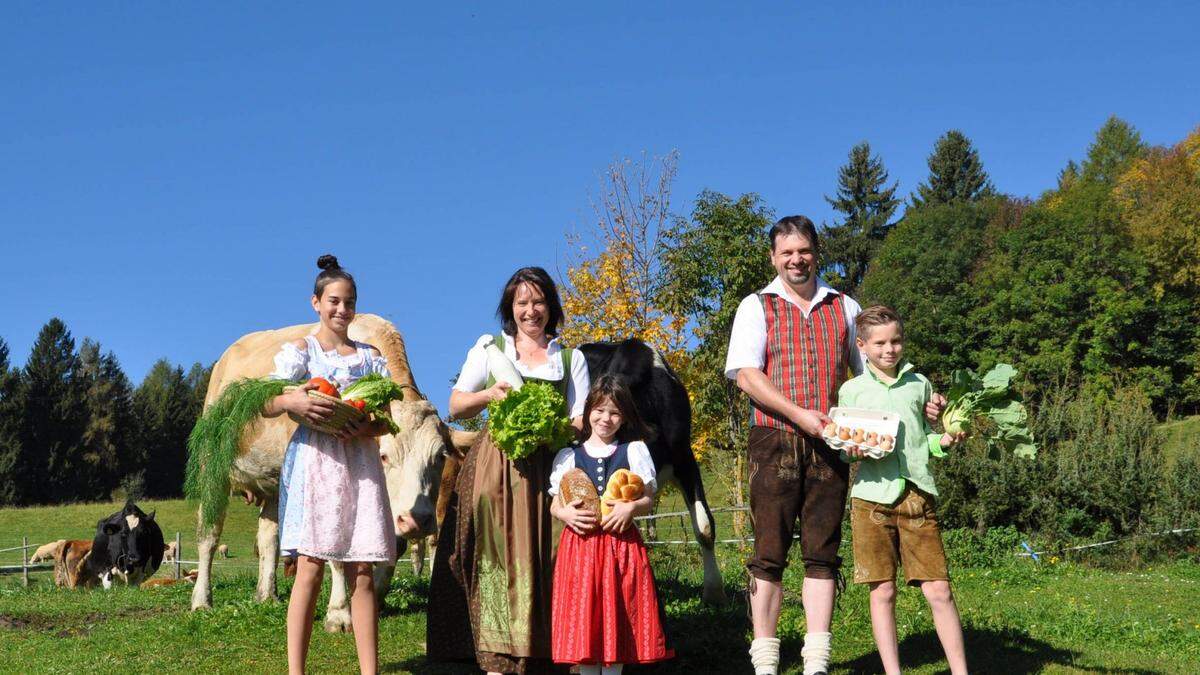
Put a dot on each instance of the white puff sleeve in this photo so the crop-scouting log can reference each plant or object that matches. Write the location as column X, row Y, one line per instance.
column 474, row 372
column 641, row 463
column 564, row 461
column 290, row 363
column 578, row 386
column 379, row 366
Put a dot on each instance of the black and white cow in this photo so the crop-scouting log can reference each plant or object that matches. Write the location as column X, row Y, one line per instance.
column 128, row 546
column 662, row 401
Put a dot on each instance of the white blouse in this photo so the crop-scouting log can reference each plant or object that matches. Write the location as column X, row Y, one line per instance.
column 640, row 463
column 293, row 363
column 474, row 372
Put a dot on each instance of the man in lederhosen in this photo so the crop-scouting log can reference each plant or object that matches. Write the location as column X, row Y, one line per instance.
column 791, row 348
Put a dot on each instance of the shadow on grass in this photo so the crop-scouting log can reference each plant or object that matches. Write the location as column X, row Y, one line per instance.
column 988, row 651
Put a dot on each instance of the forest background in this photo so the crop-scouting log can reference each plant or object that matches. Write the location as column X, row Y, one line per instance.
column 1089, row 289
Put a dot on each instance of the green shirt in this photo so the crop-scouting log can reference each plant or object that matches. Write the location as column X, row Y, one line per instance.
column 883, row 480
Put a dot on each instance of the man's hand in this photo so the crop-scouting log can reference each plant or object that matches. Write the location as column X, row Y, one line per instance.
column 933, row 409
column 811, row 422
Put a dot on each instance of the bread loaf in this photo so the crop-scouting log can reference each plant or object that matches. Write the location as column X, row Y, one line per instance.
column 576, row 485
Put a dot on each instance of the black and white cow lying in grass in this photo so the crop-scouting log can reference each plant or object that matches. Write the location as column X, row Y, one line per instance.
column 128, row 546
column 662, row 401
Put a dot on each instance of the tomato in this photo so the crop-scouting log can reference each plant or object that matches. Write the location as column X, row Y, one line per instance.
column 358, row 403
column 324, row 386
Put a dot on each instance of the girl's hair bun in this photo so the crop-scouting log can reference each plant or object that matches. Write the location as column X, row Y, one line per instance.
column 328, row 262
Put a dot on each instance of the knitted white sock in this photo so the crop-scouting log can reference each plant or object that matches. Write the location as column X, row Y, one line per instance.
column 816, row 652
column 764, row 656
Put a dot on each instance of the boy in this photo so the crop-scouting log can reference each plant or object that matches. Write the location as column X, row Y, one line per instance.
column 892, row 518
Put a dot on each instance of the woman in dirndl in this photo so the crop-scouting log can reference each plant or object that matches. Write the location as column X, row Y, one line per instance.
column 493, row 570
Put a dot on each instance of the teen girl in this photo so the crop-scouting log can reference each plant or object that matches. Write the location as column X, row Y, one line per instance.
column 333, row 503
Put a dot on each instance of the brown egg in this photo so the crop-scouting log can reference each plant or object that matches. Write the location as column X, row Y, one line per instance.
column 844, row 433
column 857, row 436
column 872, row 438
column 886, row 444
column 830, row 430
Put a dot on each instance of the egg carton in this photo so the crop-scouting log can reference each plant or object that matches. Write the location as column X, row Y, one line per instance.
column 880, row 422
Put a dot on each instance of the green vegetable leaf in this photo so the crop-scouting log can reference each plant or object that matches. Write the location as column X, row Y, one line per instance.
column 991, row 396
column 529, row 418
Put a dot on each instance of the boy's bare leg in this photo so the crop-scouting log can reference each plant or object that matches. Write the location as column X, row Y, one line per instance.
column 363, row 615
column 301, row 606
column 946, row 621
column 883, row 624
column 766, row 601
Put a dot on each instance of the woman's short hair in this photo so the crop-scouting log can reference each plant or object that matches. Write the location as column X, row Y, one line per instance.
column 541, row 279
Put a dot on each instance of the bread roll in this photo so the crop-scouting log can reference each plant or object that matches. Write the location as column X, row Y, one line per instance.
column 576, row 485
column 623, row 486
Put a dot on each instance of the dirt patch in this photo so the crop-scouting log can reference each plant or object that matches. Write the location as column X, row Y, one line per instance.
column 72, row 626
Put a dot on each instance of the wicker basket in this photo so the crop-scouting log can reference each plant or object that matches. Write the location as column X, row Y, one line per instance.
column 342, row 413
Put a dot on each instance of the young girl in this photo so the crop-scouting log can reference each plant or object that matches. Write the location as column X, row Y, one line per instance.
column 605, row 608
column 332, row 497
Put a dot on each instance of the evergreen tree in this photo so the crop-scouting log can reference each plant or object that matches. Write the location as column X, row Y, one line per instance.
column 1117, row 144
column 10, row 430
column 108, row 409
column 163, row 405
column 52, row 429
column 868, row 204
column 955, row 173
column 197, row 382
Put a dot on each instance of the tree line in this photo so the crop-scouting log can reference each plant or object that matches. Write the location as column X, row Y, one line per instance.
column 1089, row 289
column 74, row 428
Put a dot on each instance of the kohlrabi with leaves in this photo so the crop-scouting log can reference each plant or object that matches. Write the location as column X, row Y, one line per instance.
column 992, row 396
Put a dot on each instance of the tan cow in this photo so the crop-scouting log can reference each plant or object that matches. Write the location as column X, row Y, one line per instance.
column 45, row 552
column 412, row 459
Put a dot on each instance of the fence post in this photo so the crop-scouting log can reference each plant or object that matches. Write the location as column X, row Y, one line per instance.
column 25, row 562
column 178, row 555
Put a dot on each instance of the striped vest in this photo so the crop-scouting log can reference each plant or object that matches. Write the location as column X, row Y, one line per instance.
column 807, row 357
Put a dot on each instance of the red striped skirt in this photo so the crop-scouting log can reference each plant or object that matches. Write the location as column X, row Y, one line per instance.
column 605, row 607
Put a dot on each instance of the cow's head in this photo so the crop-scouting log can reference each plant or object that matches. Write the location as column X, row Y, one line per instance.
column 412, row 463
column 130, row 543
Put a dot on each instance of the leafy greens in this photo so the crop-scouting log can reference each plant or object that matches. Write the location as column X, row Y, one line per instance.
column 528, row 418
column 990, row 396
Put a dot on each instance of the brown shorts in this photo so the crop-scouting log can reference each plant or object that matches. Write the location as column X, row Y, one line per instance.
column 793, row 476
column 906, row 532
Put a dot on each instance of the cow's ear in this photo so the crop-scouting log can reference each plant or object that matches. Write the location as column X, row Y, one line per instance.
column 111, row 529
column 151, row 516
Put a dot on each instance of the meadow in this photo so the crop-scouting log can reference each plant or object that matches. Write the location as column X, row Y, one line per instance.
column 1056, row 616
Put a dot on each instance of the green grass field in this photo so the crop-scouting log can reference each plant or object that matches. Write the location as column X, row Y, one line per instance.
column 1180, row 436
column 1019, row 616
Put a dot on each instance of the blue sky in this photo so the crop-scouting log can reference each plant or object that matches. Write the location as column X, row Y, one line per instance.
column 169, row 174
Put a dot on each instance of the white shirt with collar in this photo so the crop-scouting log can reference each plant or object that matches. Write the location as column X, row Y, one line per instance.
column 748, row 338
column 474, row 372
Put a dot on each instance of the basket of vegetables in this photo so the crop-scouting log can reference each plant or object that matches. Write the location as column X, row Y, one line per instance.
column 366, row 399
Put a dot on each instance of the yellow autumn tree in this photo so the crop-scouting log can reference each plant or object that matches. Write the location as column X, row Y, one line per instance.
column 610, row 286
column 1159, row 197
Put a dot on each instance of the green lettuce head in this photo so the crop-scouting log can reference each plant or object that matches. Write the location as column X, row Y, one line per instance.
column 529, row 418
